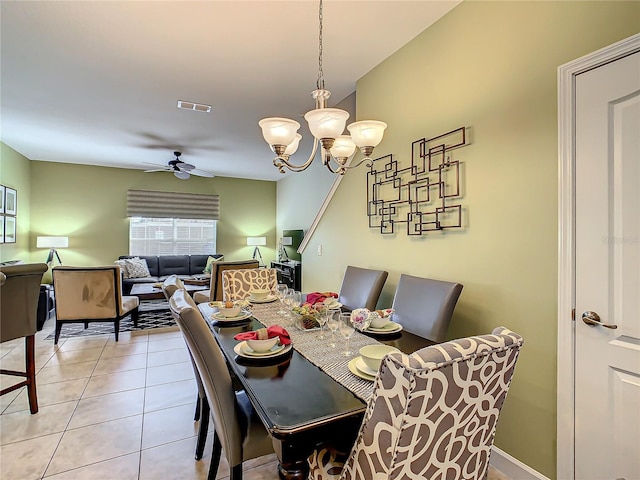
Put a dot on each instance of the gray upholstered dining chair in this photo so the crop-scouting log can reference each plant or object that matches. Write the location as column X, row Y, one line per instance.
column 19, row 293
column 238, row 430
column 433, row 413
column 424, row 306
column 91, row 294
column 361, row 287
column 214, row 293
column 170, row 285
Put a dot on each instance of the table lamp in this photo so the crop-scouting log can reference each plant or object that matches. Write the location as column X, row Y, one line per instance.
column 52, row 243
column 257, row 242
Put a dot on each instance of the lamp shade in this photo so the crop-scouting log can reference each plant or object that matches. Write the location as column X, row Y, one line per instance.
column 52, row 242
column 343, row 147
column 326, row 122
column 293, row 146
column 279, row 131
column 367, row 133
column 256, row 241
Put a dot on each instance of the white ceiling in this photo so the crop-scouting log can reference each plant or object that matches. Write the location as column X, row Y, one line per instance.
column 97, row 82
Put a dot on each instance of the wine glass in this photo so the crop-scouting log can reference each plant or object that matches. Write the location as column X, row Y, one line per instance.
column 322, row 317
column 346, row 329
column 281, row 292
column 333, row 320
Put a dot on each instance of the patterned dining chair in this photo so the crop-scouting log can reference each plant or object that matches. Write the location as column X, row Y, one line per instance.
column 91, row 294
column 433, row 413
column 170, row 285
column 19, row 292
column 424, row 306
column 237, row 429
column 361, row 287
column 214, row 293
column 237, row 284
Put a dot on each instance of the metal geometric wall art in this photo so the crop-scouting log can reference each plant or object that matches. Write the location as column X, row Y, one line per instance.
column 423, row 195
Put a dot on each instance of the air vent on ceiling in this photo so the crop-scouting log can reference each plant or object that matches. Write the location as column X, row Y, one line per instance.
column 198, row 107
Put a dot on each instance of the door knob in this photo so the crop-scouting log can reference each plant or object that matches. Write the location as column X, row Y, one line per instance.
column 592, row 319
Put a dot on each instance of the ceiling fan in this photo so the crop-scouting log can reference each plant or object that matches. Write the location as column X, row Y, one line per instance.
column 180, row 169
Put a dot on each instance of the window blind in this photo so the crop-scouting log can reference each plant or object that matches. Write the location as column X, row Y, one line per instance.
column 148, row 203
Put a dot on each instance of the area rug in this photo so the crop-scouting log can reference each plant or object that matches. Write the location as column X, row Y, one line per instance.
column 151, row 314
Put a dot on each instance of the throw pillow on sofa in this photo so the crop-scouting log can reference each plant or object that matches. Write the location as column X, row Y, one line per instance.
column 137, row 267
column 210, row 262
column 123, row 267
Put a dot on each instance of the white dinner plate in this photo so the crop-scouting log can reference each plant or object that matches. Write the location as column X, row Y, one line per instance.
column 358, row 373
column 267, row 299
column 243, row 350
column 391, row 327
column 364, row 368
column 221, row 318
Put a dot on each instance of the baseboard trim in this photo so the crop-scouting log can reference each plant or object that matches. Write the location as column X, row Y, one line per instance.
column 512, row 467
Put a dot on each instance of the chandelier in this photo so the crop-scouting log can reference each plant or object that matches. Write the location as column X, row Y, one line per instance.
column 326, row 126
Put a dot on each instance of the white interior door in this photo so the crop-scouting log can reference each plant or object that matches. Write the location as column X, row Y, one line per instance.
column 607, row 271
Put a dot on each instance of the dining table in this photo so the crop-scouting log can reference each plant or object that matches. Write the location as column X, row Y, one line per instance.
column 306, row 394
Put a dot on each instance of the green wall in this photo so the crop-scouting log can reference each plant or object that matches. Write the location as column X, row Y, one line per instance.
column 15, row 173
column 88, row 204
column 490, row 67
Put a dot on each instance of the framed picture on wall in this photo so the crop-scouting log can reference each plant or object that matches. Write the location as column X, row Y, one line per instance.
column 1, row 228
column 10, row 201
column 1, row 198
column 9, row 229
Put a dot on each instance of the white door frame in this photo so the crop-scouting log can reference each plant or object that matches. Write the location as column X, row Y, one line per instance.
column 566, row 243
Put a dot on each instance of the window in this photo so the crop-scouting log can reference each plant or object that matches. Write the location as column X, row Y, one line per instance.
column 171, row 236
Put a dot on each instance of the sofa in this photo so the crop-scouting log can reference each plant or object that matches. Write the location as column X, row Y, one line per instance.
column 161, row 266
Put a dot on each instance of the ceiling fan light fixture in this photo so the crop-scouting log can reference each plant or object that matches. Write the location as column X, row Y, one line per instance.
column 182, row 175
column 326, row 126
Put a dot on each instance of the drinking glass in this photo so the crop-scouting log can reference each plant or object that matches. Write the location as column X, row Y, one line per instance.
column 333, row 320
column 288, row 302
column 323, row 316
column 281, row 292
column 346, row 329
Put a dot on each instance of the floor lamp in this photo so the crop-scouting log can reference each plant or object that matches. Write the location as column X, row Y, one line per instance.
column 257, row 242
column 52, row 243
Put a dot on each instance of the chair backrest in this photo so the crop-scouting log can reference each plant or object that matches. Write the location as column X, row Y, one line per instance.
column 361, row 287
column 19, row 299
column 425, row 306
column 214, row 374
column 433, row 414
column 87, row 292
column 237, row 284
column 215, row 287
column 170, row 285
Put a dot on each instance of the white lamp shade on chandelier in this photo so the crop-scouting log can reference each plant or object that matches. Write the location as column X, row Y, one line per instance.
column 327, row 126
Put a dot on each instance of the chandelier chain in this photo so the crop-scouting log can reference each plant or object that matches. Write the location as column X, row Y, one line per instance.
column 320, row 82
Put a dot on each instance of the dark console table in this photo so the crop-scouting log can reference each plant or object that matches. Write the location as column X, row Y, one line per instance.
column 289, row 273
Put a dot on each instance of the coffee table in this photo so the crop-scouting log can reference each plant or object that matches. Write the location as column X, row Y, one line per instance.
column 147, row 291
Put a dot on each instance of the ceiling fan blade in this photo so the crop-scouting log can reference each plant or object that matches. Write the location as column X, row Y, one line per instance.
column 185, row 166
column 158, row 170
column 201, row 173
column 182, row 175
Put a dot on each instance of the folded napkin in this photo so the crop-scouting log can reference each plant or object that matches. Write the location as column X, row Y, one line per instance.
column 319, row 297
column 264, row 333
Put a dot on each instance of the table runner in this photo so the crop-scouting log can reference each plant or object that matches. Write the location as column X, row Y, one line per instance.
column 319, row 352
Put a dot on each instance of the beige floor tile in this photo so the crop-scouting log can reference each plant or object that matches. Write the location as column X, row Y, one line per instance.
column 263, row 468
column 15, row 427
column 50, row 394
column 27, row 460
column 169, row 373
column 87, row 445
column 74, row 356
column 169, row 425
column 15, row 360
column 115, row 382
column 166, row 344
column 120, row 468
column 107, row 407
column 61, row 373
column 80, row 343
column 9, row 345
column 124, row 349
column 157, row 334
column 175, row 460
column 8, row 398
column 170, row 395
column 129, row 337
column 120, row 364
column 166, row 357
